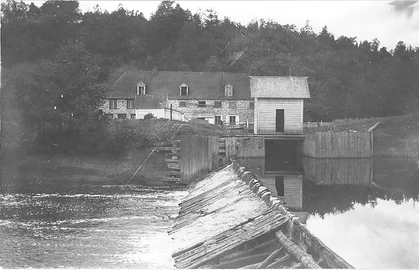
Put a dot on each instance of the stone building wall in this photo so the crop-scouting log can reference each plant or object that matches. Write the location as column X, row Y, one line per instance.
column 121, row 108
column 243, row 110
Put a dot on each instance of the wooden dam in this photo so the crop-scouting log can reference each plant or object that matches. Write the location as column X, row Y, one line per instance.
column 230, row 219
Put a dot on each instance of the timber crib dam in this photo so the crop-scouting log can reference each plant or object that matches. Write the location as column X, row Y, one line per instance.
column 230, row 220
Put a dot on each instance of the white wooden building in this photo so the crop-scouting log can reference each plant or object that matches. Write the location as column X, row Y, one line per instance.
column 279, row 103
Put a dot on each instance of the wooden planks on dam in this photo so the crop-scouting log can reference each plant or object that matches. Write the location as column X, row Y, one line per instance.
column 230, row 220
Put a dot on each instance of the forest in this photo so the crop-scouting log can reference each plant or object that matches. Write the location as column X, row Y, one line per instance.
column 58, row 62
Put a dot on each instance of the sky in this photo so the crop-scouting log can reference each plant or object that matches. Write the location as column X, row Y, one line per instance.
column 365, row 20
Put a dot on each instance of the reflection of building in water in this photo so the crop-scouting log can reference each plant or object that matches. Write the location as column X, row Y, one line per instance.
column 287, row 184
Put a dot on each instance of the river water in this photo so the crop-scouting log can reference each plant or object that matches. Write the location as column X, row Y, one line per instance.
column 366, row 210
column 87, row 226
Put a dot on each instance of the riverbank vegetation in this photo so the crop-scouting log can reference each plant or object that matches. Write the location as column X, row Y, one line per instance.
column 58, row 64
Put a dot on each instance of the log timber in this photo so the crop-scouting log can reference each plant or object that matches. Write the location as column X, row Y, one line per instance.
column 230, row 220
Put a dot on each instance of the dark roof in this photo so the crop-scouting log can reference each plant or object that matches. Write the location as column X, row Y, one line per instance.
column 202, row 85
column 149, row 102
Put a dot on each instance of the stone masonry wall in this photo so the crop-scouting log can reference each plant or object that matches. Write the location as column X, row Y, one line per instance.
column 121, row 108
column 242, row 108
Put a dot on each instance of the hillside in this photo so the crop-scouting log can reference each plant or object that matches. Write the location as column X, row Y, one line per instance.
column 134, row 141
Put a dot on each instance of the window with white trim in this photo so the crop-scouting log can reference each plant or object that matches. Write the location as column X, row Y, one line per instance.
column 113, row 103
column 130, row 104
column 202, row 104
column 184, row 89
column 141, row 88
column 228, row 90
column 217, row 104
column 217, row 119
column 182, row 104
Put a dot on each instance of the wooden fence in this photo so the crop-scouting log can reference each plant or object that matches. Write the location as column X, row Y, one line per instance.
column 339, row 145
column 198, row 156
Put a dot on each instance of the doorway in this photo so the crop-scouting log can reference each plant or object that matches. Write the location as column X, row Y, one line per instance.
column 279, row 122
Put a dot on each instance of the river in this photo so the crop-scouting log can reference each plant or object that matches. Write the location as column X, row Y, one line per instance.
column 87, row 226
column 365, row 210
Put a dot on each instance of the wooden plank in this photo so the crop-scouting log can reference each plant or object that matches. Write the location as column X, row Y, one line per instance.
column 229, row 239
column 173, row 173
column 171, row 179
column 296, row 251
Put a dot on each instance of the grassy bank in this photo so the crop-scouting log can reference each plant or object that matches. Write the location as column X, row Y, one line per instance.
column 129, row 142
column 395, row 136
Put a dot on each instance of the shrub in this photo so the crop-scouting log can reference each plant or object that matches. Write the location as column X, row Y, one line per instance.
column 148, row 116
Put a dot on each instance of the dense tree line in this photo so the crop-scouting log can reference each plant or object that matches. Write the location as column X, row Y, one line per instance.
column 347, row 78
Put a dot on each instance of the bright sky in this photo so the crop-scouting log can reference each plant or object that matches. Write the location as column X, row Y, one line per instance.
column 365, row 20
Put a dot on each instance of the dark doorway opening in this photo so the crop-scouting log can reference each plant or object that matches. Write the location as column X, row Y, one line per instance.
column 280, row 121
column 279, row 185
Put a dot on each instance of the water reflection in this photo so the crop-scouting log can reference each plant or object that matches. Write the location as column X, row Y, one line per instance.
column 364, row 209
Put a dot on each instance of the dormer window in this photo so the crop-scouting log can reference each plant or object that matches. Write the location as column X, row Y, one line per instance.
column 228, row 90
column 184, row 89
column 141, row 88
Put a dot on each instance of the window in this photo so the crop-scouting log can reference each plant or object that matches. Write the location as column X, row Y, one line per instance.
column 130, row 104
column 252, row 105
column 217, row 119
column 133, row 116
column 184, row 89
column 141, row 88
column 217, row 104
column 202, row 104
column 122, row 116
column 232, row 104
column 113, row 104
column 182, row 104
column 228, row 90
column 232, row 119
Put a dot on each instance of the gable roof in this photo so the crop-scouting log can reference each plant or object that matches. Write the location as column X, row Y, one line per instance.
column 279, row 87
column 202, row 85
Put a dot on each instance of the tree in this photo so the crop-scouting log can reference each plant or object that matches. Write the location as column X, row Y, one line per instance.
column 59, row 96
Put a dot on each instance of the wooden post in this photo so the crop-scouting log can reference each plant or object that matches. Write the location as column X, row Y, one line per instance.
column 270, row 259
column 296, row 251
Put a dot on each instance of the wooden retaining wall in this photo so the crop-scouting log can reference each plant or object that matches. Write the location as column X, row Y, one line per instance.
column 238, row 147
column 339, row 145
column 198, row 156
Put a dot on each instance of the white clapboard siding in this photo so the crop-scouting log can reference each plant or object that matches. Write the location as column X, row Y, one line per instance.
column 293, row 191
column 266, row 118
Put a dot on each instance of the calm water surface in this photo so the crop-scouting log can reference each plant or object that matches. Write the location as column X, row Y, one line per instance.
column 102, row 227
column 365, row 210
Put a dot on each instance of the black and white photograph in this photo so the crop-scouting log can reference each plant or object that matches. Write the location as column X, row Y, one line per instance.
column 209, row 134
